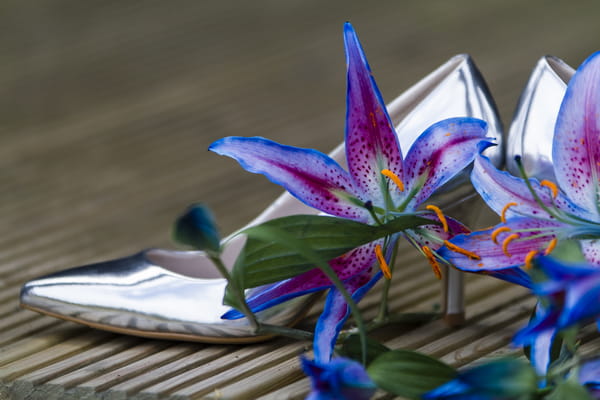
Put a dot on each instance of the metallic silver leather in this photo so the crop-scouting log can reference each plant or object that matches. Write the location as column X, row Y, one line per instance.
column 178, row 295
column 135, row 295
column 532, row 128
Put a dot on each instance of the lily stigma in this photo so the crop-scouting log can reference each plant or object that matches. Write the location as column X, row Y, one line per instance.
column 535, row 215
column 379, row 185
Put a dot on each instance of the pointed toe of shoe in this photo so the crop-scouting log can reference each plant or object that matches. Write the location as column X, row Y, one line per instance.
column 133, row 295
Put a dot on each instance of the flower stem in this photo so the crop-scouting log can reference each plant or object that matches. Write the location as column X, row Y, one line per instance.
column 240, row 297
column 382, row 315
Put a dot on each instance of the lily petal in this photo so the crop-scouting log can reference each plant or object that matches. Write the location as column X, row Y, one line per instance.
column 581, row 301
column 336, row 312
column 576, row 146
column 441, row 152
column 499, row 188
column 491, row 255
column 591, row 251
column 353, row 263
column 371, row 141
column 309, row 175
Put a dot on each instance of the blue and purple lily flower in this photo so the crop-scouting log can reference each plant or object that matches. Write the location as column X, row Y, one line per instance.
column 570, row 208
column 379, row 184
column 338, row 379
column 589, row 376
column 572, row 294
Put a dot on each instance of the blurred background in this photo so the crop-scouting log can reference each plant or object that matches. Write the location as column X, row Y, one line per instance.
column 107, row 107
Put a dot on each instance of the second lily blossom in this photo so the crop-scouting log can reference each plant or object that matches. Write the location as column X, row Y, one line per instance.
column 536, row 214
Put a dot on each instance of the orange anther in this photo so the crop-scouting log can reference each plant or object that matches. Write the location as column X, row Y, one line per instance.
column 551, row 246
column 529, row 259
column 435, row 266
column 550, row 185
column 393, row 177
column 507, row 241
column 440, row 216
column 462, row 251
column 382, row 263
column 505, row 209
column 498, row 231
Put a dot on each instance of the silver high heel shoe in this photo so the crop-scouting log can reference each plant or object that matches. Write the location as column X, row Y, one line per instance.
column 532, row 129
column 178, row 294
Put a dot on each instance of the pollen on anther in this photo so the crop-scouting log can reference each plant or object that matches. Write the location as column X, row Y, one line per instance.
column 386, row 172
column 551, row 246
column 550, row 185
column 507, row 241
column 497, row 232
column 435, row 266
column 383, row 265
column 438, row 212
column 452, row 247
column 529, row 259
column 505, row 209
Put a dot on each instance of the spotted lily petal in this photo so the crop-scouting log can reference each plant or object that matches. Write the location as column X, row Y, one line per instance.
column 371, row 142
column 311, row 176
column 591, row 250
column 576, row 147
column 441, row 152
column 499, row 188
column 534, row 234
column 351, row 264
column 336, row 311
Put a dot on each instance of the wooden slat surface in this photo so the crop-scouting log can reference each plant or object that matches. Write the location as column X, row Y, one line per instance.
column 106, row 111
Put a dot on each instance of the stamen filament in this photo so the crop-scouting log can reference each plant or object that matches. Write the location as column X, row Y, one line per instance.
column 551, row 246
column 505, row 209
column 435, row 266
column 440, row 216
column 497, row 232
column 386, row 172
column 382, row 263
column 550, row 185
column 460, row 250
column 529, row 259
column 507, row 241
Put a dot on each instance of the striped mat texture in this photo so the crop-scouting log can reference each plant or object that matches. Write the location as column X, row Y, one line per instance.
column 106, row 111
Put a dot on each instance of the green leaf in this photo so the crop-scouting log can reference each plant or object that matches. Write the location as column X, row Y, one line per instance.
column 569, row 390
column 352, row 348
column 197, row 228
column 267, row 260
column 408, row 373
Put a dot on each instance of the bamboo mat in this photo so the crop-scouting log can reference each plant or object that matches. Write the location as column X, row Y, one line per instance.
column 106, row 109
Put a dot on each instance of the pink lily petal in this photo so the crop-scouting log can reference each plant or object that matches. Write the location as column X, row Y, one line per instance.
column 311, row 176
column 441, row 152
column 576, row 147
column 591, row 251
column 491, row 255
column 371, row 142
column 499, row 188
column 336, row 312
column 347, row 266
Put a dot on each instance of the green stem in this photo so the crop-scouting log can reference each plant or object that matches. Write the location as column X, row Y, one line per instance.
column 285, row 331
column 383, row 305
column 238, row 292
